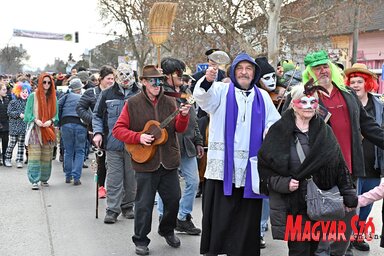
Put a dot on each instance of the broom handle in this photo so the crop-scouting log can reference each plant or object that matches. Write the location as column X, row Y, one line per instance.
column 158, row 56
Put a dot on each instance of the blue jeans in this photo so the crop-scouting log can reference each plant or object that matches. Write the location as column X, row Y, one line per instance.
column 264, row 217
column 189, row 171
column 74, row 137
column 364, row 185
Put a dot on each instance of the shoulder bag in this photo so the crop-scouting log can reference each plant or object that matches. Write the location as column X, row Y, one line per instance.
column 321, row 204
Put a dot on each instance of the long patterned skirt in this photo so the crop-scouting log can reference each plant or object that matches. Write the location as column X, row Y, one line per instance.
column 39, row 159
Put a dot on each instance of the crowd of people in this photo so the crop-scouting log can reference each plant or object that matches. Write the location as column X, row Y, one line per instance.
column 150, row 129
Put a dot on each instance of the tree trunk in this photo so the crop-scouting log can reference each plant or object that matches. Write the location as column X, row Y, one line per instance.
column 273, row 31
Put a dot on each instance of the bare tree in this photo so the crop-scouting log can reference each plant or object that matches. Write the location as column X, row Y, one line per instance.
column 11, row 59
column 108, row 53
column 133, row 14
column 57, row 66
column 273, row 28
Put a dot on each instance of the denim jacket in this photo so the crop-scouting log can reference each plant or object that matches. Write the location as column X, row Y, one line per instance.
column 106, row 112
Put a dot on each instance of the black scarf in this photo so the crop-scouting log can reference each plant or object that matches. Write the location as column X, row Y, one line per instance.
column 323, row 161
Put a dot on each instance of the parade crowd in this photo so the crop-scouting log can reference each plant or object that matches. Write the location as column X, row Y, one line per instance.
column 152, row 128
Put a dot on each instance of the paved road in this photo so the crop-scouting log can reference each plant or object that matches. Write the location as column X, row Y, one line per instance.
column 60, row 221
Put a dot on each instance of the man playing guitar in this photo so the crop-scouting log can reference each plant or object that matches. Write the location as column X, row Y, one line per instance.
column 159, row 172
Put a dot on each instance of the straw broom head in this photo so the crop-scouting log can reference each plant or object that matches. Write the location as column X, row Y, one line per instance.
column 161, row 17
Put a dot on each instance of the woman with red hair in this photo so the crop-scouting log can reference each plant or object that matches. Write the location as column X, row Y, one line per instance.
column 40, row 115
column 363, row 82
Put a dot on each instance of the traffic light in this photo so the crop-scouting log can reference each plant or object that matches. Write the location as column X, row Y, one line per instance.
column 76, row 37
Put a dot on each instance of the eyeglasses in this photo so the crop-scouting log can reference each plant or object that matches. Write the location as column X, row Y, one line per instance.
column 46, row 82
column 155, row 82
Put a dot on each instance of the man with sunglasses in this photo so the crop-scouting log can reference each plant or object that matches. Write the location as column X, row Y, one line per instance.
column 159, row 173
column 191, row 146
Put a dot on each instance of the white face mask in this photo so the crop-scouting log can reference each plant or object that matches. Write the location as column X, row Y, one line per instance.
column 269, row 81
column 306, row 102
column 125, row 76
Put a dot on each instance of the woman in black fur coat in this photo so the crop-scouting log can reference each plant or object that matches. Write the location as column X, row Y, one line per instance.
column 283, row 175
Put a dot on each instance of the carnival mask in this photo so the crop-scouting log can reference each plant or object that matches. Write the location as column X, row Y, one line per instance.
column 125, row 76
column 24, row 94
column 306, row 102
column 269, row 81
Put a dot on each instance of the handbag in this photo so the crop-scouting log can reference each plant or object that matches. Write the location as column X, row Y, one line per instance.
column 324, row 204
column 321, row 204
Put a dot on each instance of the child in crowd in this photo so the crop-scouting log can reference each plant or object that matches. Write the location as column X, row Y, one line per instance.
column 4, row 122
column 17, row 126
column 372, row 195
column 375, row 194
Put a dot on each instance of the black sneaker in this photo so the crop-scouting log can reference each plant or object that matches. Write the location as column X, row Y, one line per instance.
column 172, row 240
column 361, row 245
column 110, row 217
column 187, row 226
column 77, row 182
column 128, row 213
column 262, row 243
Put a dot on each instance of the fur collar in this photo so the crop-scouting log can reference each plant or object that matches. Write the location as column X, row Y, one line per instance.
column 275, row 151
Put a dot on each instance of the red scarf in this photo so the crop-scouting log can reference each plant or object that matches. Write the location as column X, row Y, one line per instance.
column 46, row 103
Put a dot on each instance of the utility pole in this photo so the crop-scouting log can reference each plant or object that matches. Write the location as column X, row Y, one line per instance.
column 356, row 25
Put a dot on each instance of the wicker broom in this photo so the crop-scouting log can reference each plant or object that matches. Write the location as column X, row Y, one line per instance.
column 161, row 17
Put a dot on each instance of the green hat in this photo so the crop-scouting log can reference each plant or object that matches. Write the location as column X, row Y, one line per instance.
column 288, row 66
column 316, row 58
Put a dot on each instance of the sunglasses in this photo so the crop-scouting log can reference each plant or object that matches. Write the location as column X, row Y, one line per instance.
column 46, row 82
column 155, row 82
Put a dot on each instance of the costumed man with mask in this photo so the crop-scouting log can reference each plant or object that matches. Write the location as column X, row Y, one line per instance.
column 191, row 146
column 240, row 113
column 277, row 86
column 268, row 79
column 120, row 180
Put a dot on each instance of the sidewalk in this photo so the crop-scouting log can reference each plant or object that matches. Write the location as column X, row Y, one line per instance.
column 59, row 220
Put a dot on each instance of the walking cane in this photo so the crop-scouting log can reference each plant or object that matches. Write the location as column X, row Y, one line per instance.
column 94, row 169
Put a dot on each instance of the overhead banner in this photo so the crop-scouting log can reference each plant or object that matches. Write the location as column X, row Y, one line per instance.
column 42, row 35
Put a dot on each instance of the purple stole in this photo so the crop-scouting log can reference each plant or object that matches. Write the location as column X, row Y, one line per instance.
column 256, row 138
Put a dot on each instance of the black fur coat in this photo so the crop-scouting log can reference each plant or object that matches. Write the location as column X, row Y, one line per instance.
column 324, row 162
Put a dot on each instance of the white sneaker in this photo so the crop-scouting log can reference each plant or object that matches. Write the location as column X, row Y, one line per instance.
column 44, row 184
column 35, row 186
column 19, row 165
column 8, row 163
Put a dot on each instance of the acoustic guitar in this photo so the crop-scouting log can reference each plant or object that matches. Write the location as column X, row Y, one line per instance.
column 141, row 153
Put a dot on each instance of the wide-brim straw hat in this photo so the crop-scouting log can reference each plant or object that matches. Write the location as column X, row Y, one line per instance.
column 359, row 68
column 150, row 71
